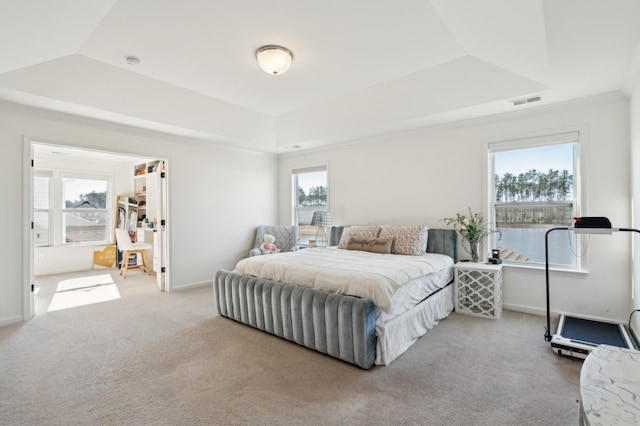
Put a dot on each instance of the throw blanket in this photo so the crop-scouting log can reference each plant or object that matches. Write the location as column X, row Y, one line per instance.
column 357, row 273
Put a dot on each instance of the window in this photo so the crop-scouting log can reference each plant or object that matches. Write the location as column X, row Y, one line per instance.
column 71, row 208
column 84, row 213
column 41, row 203
column 534, row 186
column 310, row 193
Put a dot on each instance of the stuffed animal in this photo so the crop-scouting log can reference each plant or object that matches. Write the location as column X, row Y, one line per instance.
column 268, row 246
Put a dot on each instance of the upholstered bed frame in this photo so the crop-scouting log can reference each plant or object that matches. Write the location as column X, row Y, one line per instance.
column 337, row 325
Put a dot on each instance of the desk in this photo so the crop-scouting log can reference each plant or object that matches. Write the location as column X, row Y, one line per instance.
column 147, row 235
column 610, row 387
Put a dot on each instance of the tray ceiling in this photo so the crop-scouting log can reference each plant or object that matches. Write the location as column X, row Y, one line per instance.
column 361, row 68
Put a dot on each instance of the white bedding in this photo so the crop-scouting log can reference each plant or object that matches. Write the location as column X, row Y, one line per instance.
column 414, row 292
column 358, row 273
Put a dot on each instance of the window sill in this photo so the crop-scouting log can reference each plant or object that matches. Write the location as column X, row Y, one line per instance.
column 86, row 244
column 541, row 268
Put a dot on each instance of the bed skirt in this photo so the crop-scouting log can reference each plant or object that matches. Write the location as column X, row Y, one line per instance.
column 398, row 334
column 337, row 325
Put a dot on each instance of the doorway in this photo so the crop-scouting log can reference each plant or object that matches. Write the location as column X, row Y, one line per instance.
column 71, row 239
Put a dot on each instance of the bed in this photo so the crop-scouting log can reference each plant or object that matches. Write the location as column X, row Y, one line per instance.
column 340, row 313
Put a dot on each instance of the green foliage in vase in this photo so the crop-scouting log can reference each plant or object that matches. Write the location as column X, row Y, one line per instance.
column 473, row 229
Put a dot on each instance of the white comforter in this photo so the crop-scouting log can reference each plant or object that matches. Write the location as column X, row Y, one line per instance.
column 357, row 273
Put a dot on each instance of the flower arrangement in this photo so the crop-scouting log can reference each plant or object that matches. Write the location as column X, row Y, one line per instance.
column 473, row 230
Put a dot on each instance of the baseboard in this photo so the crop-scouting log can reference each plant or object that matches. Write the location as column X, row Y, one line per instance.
column 555, row 314
column 10, row 320
column 526, row 310
column 192, row 285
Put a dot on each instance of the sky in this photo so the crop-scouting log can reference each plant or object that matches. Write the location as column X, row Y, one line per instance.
column 557, row 157
column 309, row 180
column 73, row 188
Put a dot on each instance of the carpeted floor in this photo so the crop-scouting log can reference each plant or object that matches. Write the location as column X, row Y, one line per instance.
column 151, row 358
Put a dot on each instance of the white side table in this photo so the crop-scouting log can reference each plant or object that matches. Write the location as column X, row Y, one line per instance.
column 478, row 289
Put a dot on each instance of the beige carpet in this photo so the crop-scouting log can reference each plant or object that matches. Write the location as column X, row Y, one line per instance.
column 151, row 358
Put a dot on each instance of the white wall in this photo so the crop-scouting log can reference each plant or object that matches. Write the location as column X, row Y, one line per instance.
column 425, row 176
column 635, row 182
column 216, row 195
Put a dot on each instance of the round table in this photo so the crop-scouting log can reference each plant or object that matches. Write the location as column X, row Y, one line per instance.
column 610, row 387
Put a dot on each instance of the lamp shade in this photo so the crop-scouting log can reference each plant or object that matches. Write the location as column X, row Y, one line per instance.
column 321, row 218
column 274, row 60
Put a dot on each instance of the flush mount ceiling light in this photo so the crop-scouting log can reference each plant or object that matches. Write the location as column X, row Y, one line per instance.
column 274, row 60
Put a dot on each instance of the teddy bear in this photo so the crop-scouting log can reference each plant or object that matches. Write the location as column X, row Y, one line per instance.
column 269, row 246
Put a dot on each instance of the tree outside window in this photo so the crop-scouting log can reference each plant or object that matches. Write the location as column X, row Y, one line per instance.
column 534, row 189
column 311, row 194
column 85, row 213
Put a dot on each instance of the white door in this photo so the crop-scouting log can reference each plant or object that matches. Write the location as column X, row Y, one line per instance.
column 162, row 231
column 28, row 306
column 156, row 210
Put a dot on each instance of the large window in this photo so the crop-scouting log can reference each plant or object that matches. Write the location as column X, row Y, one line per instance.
column 310, row 193
column 71, row 208
column 85, row 214
column 534, row 187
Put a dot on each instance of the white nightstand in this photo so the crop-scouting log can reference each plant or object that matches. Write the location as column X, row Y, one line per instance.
column 478, row 289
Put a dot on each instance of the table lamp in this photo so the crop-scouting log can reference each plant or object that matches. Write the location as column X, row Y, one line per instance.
column 321, row 219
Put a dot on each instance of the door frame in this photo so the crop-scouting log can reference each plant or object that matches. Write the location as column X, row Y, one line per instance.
column 28, row 266
column 28, row 298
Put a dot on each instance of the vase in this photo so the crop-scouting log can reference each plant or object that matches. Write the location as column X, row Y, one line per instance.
column 474, row 251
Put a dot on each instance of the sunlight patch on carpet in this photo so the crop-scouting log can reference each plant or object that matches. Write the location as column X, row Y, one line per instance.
column 83, row 291
column 84, row 282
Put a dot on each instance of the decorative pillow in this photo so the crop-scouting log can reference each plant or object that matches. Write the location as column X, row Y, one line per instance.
column 409, row 240
column 374, row 245
column 358, row 231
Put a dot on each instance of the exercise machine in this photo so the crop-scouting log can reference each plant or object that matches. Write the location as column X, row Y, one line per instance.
column 577, row 337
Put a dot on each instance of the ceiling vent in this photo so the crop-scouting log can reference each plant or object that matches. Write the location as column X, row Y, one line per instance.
column 523, row 101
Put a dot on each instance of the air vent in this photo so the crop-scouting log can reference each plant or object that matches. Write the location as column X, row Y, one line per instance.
column 133, row 60
column 523, row 101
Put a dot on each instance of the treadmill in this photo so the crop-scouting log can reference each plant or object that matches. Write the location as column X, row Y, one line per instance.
column 577, row 337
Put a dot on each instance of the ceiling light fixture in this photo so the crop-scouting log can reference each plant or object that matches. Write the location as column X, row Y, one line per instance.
column 274, row 60
column 133, row 60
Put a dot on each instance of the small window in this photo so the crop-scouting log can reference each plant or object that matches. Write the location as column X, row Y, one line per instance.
column 41, row 209
column 85, row 213
column 534, row 188
column 310, row 189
